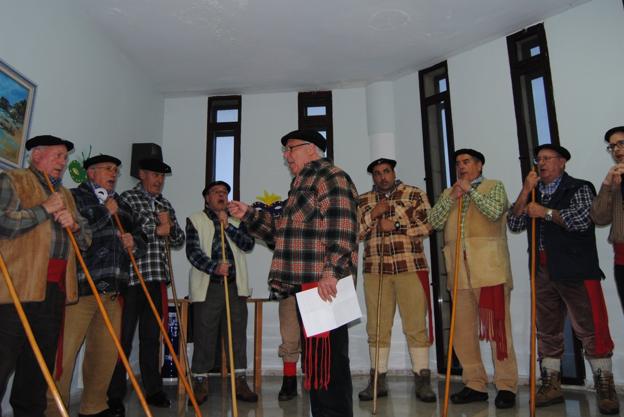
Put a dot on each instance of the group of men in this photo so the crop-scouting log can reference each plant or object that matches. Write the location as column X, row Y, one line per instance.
column 315, row 243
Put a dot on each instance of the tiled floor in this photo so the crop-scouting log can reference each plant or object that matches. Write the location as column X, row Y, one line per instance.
column 400, row 402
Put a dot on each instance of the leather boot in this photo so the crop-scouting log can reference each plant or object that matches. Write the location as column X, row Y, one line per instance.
column 289, row 388
column 422, row 384
column 549, row 392
column 200, row 389
column 382, row 389
column 606, row 396
column 243, row 392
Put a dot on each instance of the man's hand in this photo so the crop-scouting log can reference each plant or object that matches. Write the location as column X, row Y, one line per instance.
column 327, row 288
column 386, row 225
column 614, row 176
column 164, row 228
column 65, row 219
column 53, row 204
column 460, row 188
column 111, row 205
column 222, row 269
column 223, row 218
column 536, row 210
column 530, row 182
column 382, row 207
column 127, row 241
column 237, row 209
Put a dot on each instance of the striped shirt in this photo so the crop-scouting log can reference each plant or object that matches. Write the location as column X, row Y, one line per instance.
column 316, row 235
column 402, row 248
column 153, row 265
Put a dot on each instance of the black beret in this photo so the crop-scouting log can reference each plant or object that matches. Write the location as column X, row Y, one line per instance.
column 155, row 165
column 311, row 136
column 617, row 129
column 559, row 149
column 100, row 159
column 471, row 152
column 380, row 161
column 215, row 183
column 48, row 140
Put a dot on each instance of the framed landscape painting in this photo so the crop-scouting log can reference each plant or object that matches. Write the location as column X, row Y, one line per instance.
column 17, row 94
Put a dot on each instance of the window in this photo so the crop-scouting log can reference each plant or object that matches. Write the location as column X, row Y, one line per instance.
column 435, row 104
column 536, row 121
column 315, row 112
column 532, row 89
column 224, row 142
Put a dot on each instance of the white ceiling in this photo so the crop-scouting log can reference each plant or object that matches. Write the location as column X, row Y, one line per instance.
column 243, row 46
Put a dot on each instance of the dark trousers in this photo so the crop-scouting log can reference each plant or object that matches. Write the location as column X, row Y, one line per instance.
column 337, row 399
column 137, row 309
column 554, row 300
column 619, row 282
column 28, row 394
column 209, row 322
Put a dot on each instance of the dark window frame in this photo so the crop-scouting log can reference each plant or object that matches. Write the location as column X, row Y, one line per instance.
column 320, row 123
column 442, row 101
column 216, row 130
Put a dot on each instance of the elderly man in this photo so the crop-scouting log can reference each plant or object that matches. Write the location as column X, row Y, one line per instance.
column 568, row 274
column 608, row 207
column 484, row 281
column 156, row 218
column 108, row 263
column 208, row 273
column 42, row 264
column 393, row 220
column 315, row 245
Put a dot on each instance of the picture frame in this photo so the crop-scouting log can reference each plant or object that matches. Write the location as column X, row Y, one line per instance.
column 17, row 96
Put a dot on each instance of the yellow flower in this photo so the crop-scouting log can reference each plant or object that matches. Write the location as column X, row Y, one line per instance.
column 267, row 198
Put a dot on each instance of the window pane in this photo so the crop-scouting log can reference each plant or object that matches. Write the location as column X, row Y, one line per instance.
column 323, row 133
column 541, row 111
column 442, row 85
column 432, row 79
column 228, row 115
column 535, row 51
column 316, row 111
column 224, row 160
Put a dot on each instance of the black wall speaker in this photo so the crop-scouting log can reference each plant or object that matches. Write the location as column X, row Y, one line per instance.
column 142, row 151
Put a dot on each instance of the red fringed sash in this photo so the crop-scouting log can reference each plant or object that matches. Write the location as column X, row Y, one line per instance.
column 317, row 355
column 492, row 318
column 56, row 274
column 618, row 249
column 602, row 337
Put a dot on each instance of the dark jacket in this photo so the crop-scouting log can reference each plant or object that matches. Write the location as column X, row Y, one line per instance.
column 572, row 255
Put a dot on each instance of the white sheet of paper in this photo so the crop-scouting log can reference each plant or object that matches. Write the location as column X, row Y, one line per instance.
column 320, row 316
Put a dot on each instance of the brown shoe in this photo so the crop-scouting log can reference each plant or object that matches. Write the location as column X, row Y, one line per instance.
column 422, row 383
column 243, row 392
column 200, row 389
column 549, row 392
column 382, row 389
column 606, row 396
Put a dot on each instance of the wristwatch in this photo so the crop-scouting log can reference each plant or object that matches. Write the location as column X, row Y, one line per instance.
column 548, row 215
column 397, row 225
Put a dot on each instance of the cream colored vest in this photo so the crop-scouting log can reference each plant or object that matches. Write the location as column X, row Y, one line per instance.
column 486, row 260
column 199, row 280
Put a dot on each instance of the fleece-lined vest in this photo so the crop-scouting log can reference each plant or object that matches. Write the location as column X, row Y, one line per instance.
column 486, row 259
column 27, row 255
column 199, row 280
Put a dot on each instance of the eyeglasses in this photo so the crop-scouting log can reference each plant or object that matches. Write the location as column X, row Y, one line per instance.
column 619, row 145
column 544, row 159
column 291, row 147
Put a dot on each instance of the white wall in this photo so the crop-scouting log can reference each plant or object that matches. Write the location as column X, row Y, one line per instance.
column 586, row 59
column 87, row 90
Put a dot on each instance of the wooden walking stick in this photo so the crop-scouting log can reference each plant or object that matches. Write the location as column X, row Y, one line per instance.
column 533, row 353
column 31, row 340
column 163, row 331
column 229, row 328
column 449, row 358
column 379, row 289
column 177, row 310
column 105, row 317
